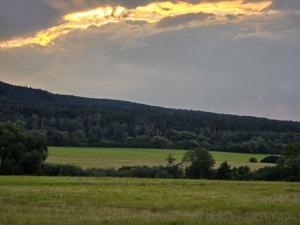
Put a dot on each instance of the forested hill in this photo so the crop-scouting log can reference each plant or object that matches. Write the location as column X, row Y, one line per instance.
column 78, row 121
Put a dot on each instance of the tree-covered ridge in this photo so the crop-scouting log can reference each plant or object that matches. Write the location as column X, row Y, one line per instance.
column 78, row 121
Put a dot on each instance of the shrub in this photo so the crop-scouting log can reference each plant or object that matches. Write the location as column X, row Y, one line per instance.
column 61, row 170
column 270, row 173
column 270, row 159
column 241, row 173
column 253, row 160
column 151, row 172
column 224, row 172
column 70, row 170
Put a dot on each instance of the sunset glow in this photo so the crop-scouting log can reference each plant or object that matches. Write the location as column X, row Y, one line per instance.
column 151, row 13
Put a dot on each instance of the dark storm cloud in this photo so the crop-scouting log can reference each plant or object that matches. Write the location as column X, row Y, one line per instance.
column 286, row 4
column 281, row 4
column 18, row 17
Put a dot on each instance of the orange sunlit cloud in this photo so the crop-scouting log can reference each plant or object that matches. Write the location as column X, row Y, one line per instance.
column 151, row 13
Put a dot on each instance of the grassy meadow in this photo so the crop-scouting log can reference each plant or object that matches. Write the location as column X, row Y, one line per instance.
column 91, row 201
column 118, row 157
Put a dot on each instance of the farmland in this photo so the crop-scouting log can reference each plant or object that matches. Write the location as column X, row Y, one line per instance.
column 78, row 201
column 118, row 157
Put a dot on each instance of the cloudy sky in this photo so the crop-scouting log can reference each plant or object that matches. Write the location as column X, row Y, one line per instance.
column 235, row 56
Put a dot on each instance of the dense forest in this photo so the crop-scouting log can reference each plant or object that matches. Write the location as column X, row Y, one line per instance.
column 77, row 121
column 24, row 152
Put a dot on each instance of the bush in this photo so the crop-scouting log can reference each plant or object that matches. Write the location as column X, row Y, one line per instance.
column 136, row 171
column 224, row 172
column 270, row 174
column 241, row 173
column 270, row 159
column 70, row 170
column 151, row 172
column 253, row 160
column 61, row 170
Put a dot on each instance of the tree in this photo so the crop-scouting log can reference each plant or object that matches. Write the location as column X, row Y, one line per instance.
column 290, row 161
column 291, row 150
column 188, row 144
column 224, row 171
column 202, row 163
column 170, row 160
column 160, row 142
column 21, row 151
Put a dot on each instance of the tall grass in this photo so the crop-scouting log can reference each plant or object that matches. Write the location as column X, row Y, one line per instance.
column 89, row 201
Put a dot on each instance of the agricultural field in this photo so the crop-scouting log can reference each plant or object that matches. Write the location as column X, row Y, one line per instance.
column 118, row 157
column 91, row 201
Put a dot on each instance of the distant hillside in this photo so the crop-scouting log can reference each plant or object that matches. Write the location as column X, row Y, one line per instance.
column 78, row 121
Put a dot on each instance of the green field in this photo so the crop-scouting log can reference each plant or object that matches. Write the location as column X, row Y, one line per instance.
column 117, row 157
column 91, row 201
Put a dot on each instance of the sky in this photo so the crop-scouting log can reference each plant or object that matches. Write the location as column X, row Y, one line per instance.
column 235, row 56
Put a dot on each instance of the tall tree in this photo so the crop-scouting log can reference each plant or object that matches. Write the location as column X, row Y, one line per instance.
column 201, row 162
column 21, row 151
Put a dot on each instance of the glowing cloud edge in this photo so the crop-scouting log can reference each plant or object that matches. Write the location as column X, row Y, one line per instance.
column 150, row 13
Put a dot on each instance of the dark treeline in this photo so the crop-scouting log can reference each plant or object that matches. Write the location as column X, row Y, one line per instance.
column 197, row 164
column 77, row 121
column 24, row 152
